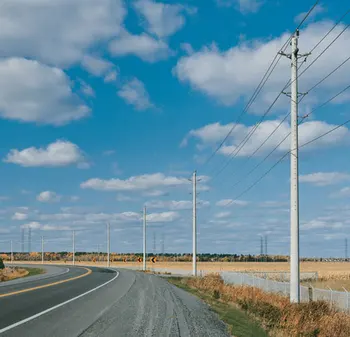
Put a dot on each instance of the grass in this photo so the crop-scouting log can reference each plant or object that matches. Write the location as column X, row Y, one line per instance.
column 277, row 315
column 34, row 271
column 238, row 322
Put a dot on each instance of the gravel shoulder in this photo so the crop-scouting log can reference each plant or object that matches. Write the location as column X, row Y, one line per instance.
column 154, row 307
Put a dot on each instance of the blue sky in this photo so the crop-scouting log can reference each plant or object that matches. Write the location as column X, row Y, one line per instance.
column 106, row 106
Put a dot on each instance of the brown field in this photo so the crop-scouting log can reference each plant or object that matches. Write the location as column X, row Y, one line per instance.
column 326, row 270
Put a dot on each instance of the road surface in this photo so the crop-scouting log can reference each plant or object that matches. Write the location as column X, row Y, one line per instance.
column 89, row 302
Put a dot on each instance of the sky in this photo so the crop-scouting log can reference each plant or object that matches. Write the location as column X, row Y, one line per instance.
column 109, row 106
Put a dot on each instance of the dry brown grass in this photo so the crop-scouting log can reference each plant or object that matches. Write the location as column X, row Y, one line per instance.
column 326, row 270
column 12, row 273
column 281, row 318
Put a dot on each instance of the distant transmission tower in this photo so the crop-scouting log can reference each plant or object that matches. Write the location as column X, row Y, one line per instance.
column 261, row 248
column 346, row 249
column 163, row 247
column 266, row 247
column 29, row 240
column 154, row 243
column 22, row 240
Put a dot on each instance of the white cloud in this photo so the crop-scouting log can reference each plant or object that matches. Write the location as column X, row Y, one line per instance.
column 317, row 10
column 58, row 32
column 60, row 153
column 324, row 178
column 231, row 75
column 319, row 224
column 211, row 134
column 231, row 202
column 37, row 225
column 344, row 192
column 95, row 65
column 134, row 93
column 222, row 215
column 108, row 152
column 135, row 183
column 163, row 217
column 111, row 76
column 163, row 19
column 244, row 6
column 86, row 89
column 74, row 198
column 48, row 196
column 272, row 204
column 20, row 216
column 175, row 205
column 155, row 193
column 33, row 92
column 143, row 46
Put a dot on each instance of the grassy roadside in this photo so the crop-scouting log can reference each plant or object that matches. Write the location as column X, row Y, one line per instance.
column 34, row 271
column 238, row 322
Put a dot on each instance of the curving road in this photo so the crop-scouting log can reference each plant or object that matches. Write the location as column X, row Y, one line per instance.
column 101, row 302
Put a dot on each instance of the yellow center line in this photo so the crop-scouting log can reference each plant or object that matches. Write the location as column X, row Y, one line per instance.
column 89, row 271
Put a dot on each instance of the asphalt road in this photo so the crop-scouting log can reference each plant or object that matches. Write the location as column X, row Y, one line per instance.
column 104, row 303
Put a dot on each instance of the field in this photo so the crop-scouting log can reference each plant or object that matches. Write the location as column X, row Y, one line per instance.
column 325, row 270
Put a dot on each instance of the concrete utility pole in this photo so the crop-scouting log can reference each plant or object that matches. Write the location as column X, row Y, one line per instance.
column 42, row 249
column 194, row 195
column 73, row 237
column 144, row 237
column 294, row 179
column 294, row 174
column 11, row 252
column 108, row 245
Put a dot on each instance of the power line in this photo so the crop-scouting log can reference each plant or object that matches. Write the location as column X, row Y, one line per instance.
column 240, row 146
column 278, row 145
column 263, row 81
column 305, row 144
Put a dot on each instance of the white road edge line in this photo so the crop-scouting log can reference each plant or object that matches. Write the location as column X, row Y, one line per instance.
column 55, row 307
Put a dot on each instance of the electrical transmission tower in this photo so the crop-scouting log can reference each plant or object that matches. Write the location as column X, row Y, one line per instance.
column 261, row 248
column 29, row 240
column 346, row 249
column 154, row 243
column 266, row 248
column 22, row 240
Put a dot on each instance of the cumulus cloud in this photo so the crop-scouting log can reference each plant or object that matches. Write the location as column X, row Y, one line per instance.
column 231, row 202
column 211, row 134
column 48, row 196
column 20, row 216
column 96, row 66
column 134, row 93
column 231, row 75
column 33, row 92
column 60, row 153
column 162, row 19
column 175, row 205
column 324, row 178
column 135, row 183
column 58, row 32
column 111, row 76
column 143, row 46
column 316, row 11
column 244, row 6
column 222, row 215
column 45, row 227
column 342, row 193
column 163, row 217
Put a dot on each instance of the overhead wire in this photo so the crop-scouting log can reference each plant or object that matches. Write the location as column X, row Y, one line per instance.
column 240, row 146
column 301, row 146
column 260, row 85
column 282, row 121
